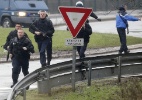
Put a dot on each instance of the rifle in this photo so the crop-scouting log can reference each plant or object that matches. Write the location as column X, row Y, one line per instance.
column 43, row 33
column 7, row 57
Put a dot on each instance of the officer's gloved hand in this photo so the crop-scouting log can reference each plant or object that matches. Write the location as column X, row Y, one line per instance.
column 24, row 48
column 83, row 26
column 37, row 33
column 99, row 19
column 44, row 35
column 10, row 55
column 7, row 47
column 67, row 29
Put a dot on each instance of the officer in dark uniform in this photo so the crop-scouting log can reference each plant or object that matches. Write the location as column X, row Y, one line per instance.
column 20, row 49
column 43, row 30
column 84, row 33
column 80, row 4
column 13, row 34
column 122, row 19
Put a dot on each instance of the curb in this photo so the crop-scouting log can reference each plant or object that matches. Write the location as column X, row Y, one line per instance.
column 89, row 52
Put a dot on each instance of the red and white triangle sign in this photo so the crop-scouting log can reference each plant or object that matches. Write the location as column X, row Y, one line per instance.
column 75, row 17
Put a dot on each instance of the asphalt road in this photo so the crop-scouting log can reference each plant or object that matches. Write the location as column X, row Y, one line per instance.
column 135, row 28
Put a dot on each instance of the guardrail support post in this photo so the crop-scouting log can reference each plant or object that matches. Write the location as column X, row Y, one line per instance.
column 48, row 82
column 24, row 93
column 44, row 85
column 73, row 68
column 119, row 68
column 89, row 73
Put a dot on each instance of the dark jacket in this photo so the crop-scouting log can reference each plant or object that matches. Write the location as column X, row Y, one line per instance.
column 44, row 26
column 85, row 33
column 94, row 16
column 16, row 48
column 10, row 36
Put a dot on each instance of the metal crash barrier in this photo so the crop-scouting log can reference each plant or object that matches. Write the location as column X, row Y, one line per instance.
column 90, row 68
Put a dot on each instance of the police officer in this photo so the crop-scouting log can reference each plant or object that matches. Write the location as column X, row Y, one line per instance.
column 80, row 4
column 121, row 24
column 13, row 34
column 43, row 31
column 84, row 33
column 20, row 49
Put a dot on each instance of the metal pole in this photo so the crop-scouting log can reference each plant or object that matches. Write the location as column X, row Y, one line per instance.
column 24, row 93
column 89, row 73
column 119, row 69
column 59, row 2
column 71, row 2
column 48, row 82
column 73, row 68
column 46, row 1
column 9, row 4
column 118, row 3
column 95, row 8
column 106, row 3
column 83, row 2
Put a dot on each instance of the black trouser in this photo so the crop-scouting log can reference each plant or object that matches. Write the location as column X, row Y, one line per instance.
column 17, row 65
column 81, row 50
column 49, row 52
column 123, row 41
column 43, row 46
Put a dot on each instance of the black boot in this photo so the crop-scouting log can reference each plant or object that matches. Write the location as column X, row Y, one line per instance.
column 27, row 88
column 119, row 53
column 43, row 65
column 126, row 52
column 13, row 84
column 48, row 62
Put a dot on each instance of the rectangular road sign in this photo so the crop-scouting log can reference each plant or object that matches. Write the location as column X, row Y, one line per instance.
column 75, row 42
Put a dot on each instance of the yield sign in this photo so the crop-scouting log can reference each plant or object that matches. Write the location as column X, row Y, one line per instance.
column 75, row 17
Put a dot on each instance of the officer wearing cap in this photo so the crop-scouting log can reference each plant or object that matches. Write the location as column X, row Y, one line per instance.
column 43, row 31
column 122, row 19
column 80, row 4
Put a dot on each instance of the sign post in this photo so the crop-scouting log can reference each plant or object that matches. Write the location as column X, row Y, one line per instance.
column 75, row 17
column 73, row 68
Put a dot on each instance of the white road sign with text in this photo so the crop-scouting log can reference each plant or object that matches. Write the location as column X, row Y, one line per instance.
column 75, row 42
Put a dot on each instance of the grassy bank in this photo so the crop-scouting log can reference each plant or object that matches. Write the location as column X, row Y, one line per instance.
column 97, row 40
column 129, row 89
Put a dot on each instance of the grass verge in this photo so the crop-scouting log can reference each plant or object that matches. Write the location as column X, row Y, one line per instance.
column 129, row 89
column 97, row 40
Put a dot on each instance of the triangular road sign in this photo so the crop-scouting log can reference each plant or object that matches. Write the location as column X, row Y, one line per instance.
column 75, row 17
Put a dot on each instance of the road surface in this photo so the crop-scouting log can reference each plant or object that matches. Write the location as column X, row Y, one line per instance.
column 109, row 27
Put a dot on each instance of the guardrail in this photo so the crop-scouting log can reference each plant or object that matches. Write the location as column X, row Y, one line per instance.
column 98, row 67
